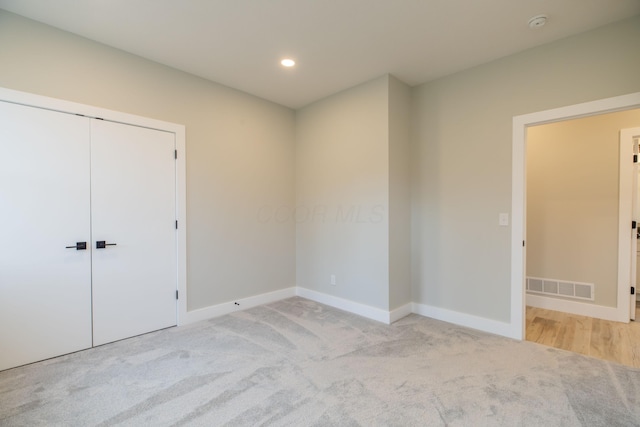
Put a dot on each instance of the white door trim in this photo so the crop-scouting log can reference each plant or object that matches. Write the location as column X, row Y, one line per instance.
column 518, row 188
column 29, row 99
column 627, row 213
column 625, row 210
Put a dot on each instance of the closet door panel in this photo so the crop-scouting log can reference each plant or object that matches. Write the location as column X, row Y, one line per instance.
column 45, row 288
column 133, row 212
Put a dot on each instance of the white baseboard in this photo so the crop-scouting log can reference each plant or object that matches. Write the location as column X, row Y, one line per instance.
column 346, row 305
column 244, row 303
column 400, row 312
column 467, row 320
column 574, row 307
column 387, row 317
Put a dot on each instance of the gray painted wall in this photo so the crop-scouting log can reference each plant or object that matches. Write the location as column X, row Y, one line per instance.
column 353, row 194
column 342, row 188
column 399, row 193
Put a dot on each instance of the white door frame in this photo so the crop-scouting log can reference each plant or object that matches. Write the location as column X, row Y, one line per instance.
column 626, row 212
column 518, row 193
column 628, row 206
column 24, row 98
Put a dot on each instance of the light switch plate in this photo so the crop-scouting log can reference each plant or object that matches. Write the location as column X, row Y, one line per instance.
column 503, row 219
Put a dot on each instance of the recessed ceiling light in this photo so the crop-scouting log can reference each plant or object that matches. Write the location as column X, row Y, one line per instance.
column 288, row 62
column 538, row 21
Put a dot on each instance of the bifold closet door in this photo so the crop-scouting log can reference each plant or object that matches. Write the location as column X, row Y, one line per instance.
column 133, row 215
column 45, row 282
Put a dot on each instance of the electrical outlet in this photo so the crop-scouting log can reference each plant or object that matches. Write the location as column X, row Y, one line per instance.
column 333, row 279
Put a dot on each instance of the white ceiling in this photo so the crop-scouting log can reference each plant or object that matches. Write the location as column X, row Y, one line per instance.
column 336, row 43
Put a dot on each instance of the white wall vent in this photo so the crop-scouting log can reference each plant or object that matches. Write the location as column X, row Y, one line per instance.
column 578, row 290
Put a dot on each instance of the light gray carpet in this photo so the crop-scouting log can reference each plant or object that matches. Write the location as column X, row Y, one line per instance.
column 299, row 363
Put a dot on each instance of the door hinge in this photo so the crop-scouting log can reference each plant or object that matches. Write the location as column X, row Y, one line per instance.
column 176, row 224
column 633, row 290
column 175, row 154
column 523, row 243
column 176, row 294
column 635, row 158
column 633, row 225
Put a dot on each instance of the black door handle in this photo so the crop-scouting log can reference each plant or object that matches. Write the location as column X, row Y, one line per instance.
column 101, row 244
column 79, row 246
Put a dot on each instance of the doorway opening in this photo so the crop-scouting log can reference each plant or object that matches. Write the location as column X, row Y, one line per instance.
column 579, row 190
column 580, row 184
column 518, row 233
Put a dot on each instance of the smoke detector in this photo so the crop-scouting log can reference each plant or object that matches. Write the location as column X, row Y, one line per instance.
column 538, row 21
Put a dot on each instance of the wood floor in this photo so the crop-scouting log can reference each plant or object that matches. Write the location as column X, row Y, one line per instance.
column 603, row 339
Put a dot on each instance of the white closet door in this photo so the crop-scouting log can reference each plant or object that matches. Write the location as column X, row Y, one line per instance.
column 45, row 288
column 133, row 212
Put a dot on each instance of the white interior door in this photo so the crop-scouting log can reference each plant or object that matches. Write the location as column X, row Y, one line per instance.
column 45, row 293
column 628, row 211
column 133, row 212
column 634, row 238
column 637, row 215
